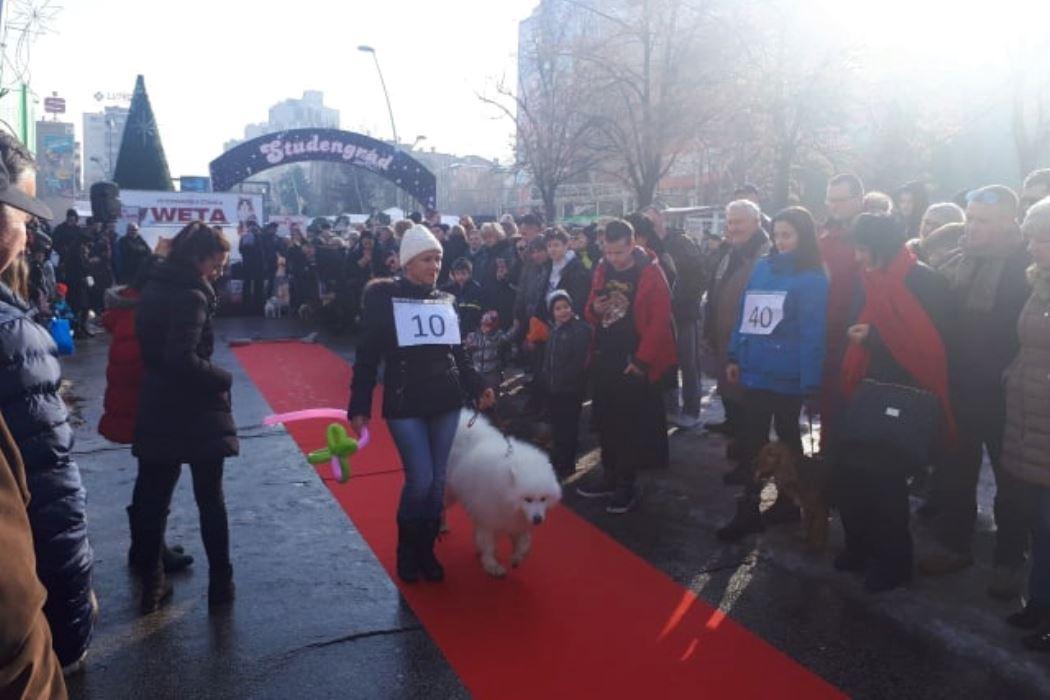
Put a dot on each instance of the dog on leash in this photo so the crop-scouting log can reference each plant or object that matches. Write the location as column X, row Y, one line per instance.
column 275, row 308
column 506, row 486
column 805, row 481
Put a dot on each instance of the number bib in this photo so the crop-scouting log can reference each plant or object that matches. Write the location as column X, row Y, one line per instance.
column 763, row 312
column 426, row 322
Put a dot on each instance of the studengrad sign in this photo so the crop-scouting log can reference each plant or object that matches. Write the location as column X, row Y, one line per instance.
column 166, row 213
column 330, row 145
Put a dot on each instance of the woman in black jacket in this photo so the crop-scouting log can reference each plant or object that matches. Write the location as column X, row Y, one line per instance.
column 39, row 422
column 411, row 326
column 897, row 347
column 184, row 411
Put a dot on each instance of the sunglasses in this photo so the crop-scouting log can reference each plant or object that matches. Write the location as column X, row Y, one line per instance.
column 983, row 197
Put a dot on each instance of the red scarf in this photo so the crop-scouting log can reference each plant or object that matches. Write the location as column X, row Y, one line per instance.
column 907, row 332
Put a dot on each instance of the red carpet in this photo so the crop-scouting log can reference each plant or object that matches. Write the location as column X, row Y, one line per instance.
column 583, row 617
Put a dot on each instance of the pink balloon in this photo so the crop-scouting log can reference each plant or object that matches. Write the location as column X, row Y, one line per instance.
column 305, row 415
column 309, row 413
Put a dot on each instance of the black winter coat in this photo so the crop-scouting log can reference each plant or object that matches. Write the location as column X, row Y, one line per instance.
column 931, row 291
column 469, row 305
column 134, row 251
column 981, row 345
column 30, row 376
column 454, row 248
column 184, row 406
column 419, row 381
column 565, row 358
column 575, row 279
column 692, row 279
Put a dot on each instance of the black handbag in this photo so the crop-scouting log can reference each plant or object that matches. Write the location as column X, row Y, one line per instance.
column 902, row 418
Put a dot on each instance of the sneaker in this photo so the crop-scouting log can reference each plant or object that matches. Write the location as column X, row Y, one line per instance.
column 623, row 500
column 686, row 421
column 724, row 427
column 880, row 581
column 595, row 487
column 1007, row 582
column 1029, row 618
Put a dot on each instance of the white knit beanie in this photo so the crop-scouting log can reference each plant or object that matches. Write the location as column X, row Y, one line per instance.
column 417, row 240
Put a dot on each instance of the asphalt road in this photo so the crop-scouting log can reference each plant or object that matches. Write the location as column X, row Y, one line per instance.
column 317, row 617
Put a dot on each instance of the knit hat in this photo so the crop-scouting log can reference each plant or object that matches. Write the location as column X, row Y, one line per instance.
column 416, row 241
column 555, row 296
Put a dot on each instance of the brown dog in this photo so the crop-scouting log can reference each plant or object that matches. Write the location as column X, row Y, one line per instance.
column 802, row 479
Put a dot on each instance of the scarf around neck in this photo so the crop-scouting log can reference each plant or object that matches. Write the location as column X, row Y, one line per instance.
column 907, row 332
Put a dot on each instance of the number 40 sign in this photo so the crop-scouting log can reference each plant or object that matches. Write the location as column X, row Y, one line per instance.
column 426, row 322
column 763, row 312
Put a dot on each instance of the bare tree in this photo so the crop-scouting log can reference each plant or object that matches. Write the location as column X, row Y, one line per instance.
column 1031, row 101
column 795, row 91
column 554, row 132
column 656, row 67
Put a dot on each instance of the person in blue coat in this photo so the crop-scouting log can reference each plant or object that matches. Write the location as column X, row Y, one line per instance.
column 777, row 353
column 30, row 376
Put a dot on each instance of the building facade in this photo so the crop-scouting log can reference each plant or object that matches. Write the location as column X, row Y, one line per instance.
column 103, row 132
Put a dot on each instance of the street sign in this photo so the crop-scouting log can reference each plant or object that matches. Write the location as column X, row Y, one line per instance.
column 55, row 105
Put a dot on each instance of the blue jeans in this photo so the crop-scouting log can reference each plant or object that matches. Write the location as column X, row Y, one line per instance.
column 1039, row 578
column 424, row 444
column 687, row 334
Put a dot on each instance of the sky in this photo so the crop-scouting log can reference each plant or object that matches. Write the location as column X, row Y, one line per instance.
column 213, row 66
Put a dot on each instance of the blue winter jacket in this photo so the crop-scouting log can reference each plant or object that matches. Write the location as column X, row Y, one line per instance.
column 788, row 360
column 29, row 381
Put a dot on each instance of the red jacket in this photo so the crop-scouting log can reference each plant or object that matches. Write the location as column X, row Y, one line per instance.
column 124, row 372
column 840, row 260
column 657, row 349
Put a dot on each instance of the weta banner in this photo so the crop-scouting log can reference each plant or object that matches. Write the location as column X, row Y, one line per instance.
column 165, row 213
column 328, row 145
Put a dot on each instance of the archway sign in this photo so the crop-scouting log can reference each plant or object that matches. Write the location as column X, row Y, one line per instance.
column 329, row 145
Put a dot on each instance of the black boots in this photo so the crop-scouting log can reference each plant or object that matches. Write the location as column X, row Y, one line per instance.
column 747, row 521
column 221, row 590
column 174, row 559
column 407, row 559
column 156, row 590
column 428, row 563
column 415, row 550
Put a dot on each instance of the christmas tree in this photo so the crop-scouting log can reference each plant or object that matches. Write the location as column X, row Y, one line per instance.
column 141, row 164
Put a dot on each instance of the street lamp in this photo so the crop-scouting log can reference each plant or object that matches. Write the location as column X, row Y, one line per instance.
column 416, row 142
column 389, row 109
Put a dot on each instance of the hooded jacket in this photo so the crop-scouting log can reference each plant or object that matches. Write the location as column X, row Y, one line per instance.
column 29, row 668
column 37, row 417
column 419, row 380
column 124, row 370
column 651, row 312
column 185, row 413
column 1027, row 442
column 789, row 360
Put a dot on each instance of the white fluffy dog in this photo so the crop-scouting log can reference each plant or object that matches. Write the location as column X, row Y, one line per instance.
column 506, row 486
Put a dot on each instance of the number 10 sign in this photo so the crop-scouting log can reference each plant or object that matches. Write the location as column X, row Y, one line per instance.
column 426, row 322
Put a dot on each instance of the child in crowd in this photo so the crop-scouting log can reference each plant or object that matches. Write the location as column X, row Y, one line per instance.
column 564, row 378
column 487, row 348
column 60, row 308
column 468, row 295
